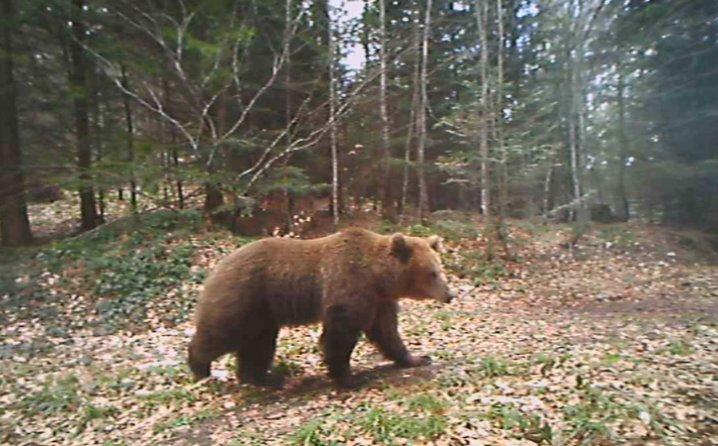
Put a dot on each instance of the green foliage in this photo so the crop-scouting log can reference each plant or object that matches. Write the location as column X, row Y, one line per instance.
column 490, row 367
column 311, row 434
column 189, row 420
column 679, row 348
column 472, row 264
column 292, row 179
column 386, row 426
column 590, row 419
column 60, row 396
column 419, row 231
column 530, row 426
column 426, row 402
column 125, row 264
column 91, row 413
column 176, row 395
column 456, row 231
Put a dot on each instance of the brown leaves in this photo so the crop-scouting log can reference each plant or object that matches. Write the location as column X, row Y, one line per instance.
column 613, row 343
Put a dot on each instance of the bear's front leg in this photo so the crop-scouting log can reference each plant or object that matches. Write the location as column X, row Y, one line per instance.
column 384, row 333
column 339, row 337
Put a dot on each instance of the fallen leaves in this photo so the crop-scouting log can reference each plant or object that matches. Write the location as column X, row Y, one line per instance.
column 617, row 342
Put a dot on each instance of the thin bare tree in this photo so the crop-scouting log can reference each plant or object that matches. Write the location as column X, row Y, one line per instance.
column 481, row 24
column 413, row 111
column 387, row 208
column 422, row 115
column 332, row 120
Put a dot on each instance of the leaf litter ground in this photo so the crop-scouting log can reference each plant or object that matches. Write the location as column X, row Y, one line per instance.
column 614, row 342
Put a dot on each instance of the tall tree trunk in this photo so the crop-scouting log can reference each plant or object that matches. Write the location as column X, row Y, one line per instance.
column 385, row 182
column 88, row 208
column 624, row 213
column 176, row 165
column 173, row 152
column 547, row 189
column 332, row 121
column 503, row 173
column 214, row 198
column 14, row 222
column 130, row 140
column 97, row 129
column 421, row 119
column 482, row 14
column 573, row 147
column 482, row 23
column 287, row 109
column 415, row 39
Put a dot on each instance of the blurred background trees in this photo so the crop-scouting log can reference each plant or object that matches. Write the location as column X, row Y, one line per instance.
column 513, row 108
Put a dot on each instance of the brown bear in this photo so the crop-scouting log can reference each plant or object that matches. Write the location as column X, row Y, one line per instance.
column 349, row 281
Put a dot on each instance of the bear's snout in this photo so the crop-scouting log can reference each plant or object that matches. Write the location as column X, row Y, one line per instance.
column 450, row 295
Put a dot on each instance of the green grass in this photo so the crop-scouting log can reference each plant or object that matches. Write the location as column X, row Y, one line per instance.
column 57, row 397
column 679, row 348
column 472, row 264
column 530, row 426
column 91, row 413
column 417, row 418
column 164, row 397
column 386, row 427
column 125, row 265
column 427, row 403
column 490, row 367
column 188, row 420
column 313, row 433
column 611, row 359
column 589, row 421
column 451, row 230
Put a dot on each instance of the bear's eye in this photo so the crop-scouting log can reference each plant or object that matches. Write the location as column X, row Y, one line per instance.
column 433, row 274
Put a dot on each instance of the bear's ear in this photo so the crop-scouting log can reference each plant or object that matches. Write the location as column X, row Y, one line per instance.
column 400, row 248
column 435, row 242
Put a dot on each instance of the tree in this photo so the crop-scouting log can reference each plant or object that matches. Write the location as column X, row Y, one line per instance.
column 482, row 24
column 422, row 115
column 78, row 80
column 333, row 120
column 14, row 221
column 385, row 148
column 623, row 212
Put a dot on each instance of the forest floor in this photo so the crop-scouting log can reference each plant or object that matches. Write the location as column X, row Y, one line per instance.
column 612, row 342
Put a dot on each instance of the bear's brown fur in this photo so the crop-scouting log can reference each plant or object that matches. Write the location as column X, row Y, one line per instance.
column 349, row 281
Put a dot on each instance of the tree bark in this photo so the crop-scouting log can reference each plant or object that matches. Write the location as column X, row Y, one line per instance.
column 130, row 140
column 288, row 110
column 14, row 222
column 78, row 80
column 332, row 121
column 388, row 209
column 413, row 111
column 481, row 22
column 624, row 213
column 97, row 128
column 421, row 122
column 503, row 173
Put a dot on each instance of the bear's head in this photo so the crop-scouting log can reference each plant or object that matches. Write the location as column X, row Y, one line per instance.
column 420, row 274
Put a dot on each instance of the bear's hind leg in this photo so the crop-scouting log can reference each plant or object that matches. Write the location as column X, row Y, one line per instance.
column 338, row 340
column 255, row 356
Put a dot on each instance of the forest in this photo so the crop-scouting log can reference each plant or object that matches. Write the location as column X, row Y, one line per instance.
column 565, row 150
